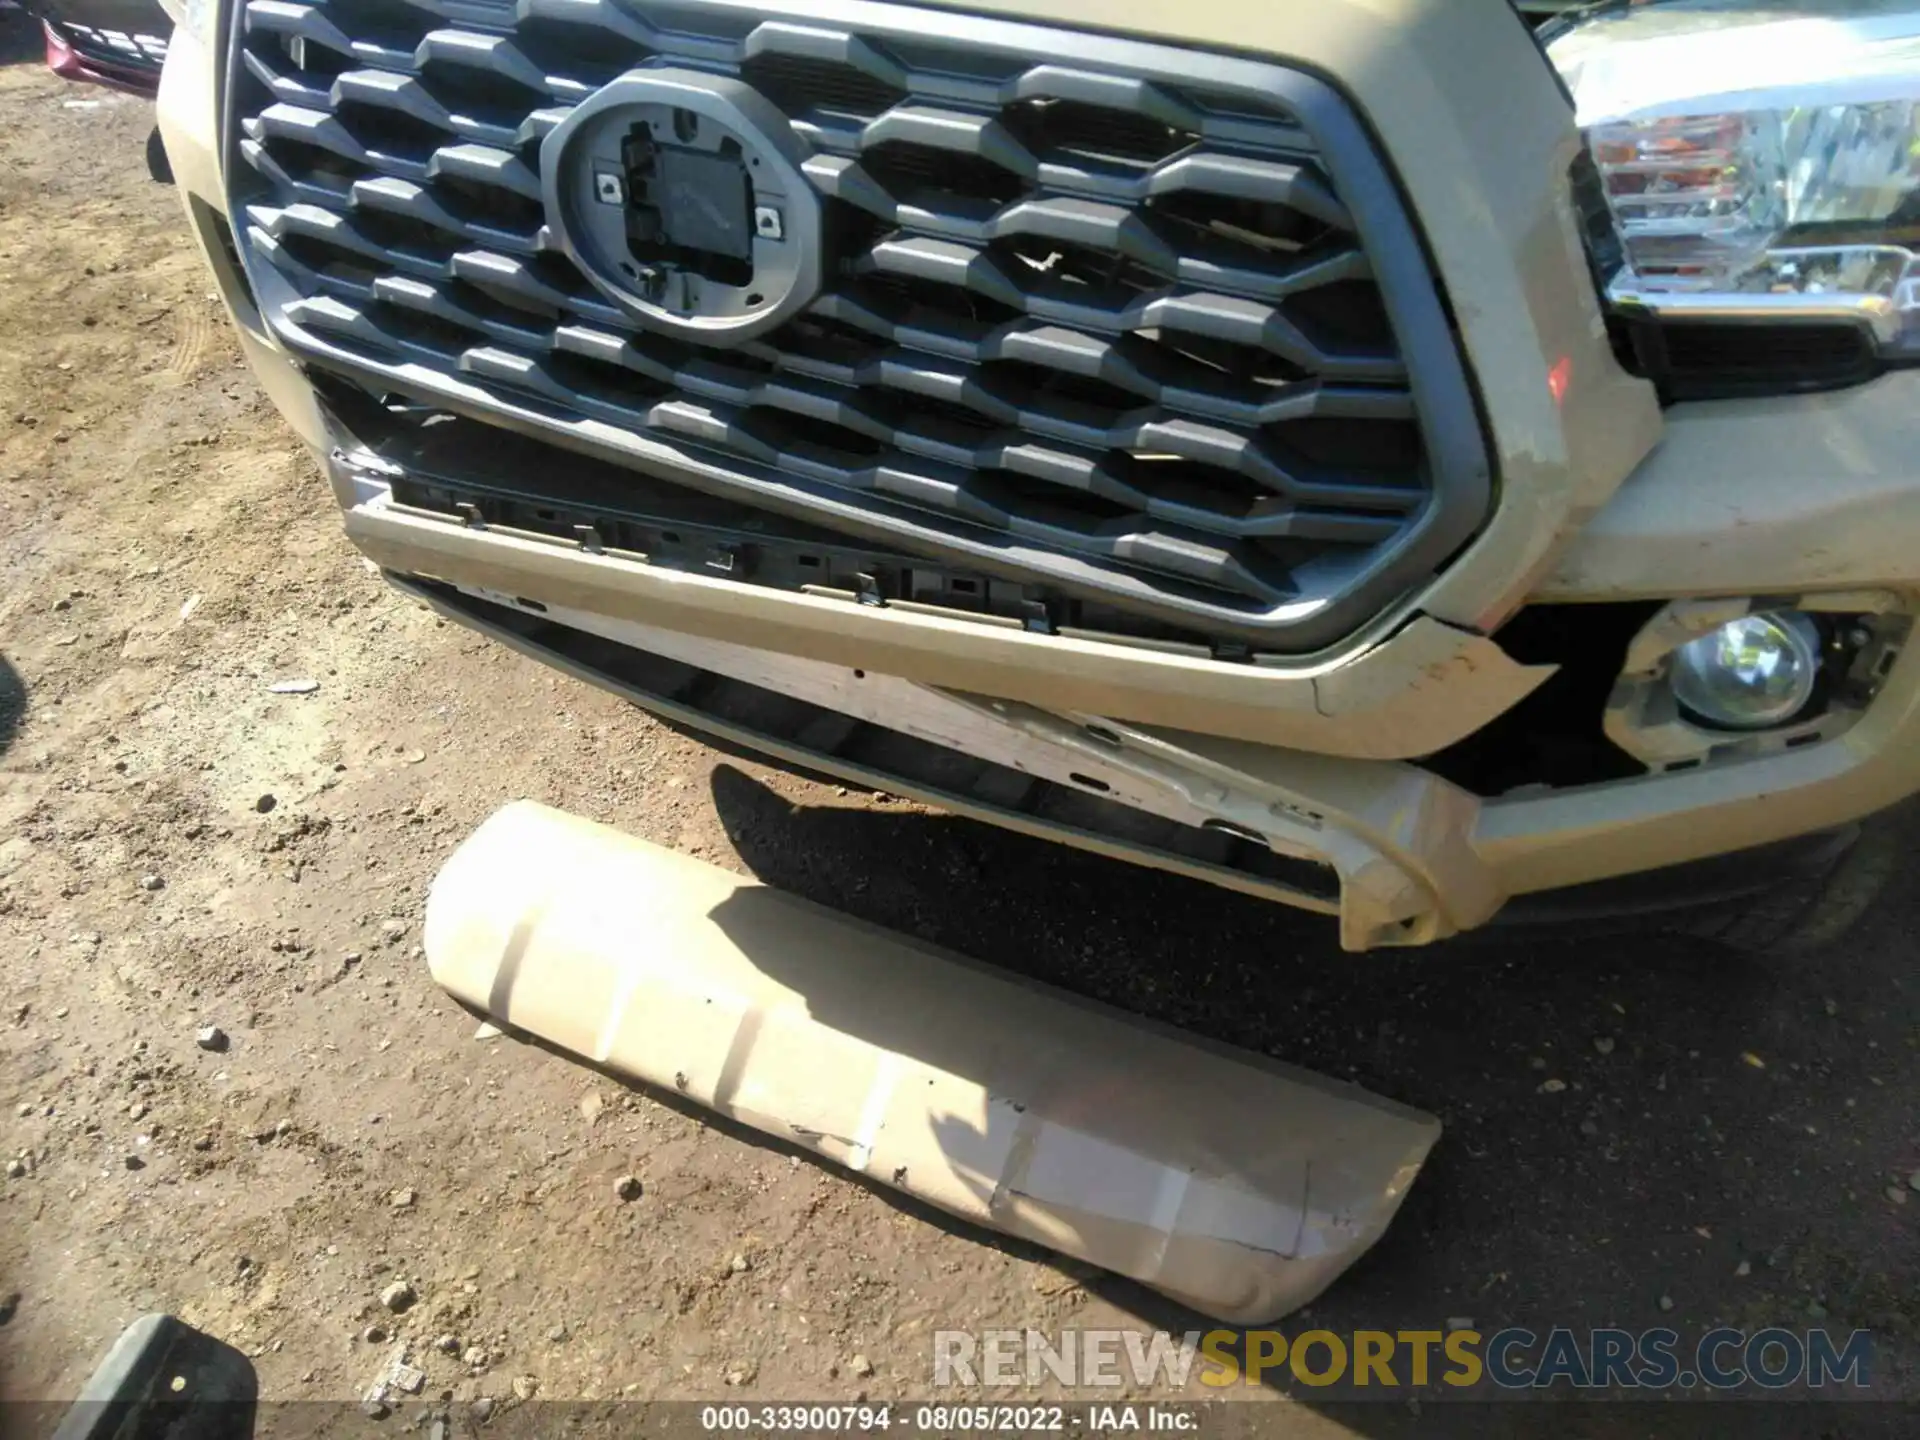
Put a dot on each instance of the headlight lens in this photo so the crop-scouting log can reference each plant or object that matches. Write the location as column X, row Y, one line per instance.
column 1758, row 163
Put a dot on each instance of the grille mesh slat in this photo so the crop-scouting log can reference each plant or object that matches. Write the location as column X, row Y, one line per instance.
column 1128, row 322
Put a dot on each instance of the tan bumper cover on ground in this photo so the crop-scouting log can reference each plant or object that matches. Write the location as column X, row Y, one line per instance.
column 1233, row 1184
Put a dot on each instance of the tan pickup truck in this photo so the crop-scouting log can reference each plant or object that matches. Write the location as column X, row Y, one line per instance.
column 1376, row 454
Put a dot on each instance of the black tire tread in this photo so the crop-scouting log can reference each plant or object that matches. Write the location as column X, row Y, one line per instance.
column 1808, row 914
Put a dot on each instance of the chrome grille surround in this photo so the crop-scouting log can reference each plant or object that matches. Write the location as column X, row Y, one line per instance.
column 1120, row 320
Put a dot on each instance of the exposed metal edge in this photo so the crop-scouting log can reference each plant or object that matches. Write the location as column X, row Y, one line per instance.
column 820, row 761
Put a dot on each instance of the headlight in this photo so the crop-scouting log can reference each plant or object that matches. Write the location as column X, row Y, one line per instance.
column 1758, row 162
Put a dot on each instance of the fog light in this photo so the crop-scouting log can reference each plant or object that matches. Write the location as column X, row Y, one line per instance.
column 1751, row 673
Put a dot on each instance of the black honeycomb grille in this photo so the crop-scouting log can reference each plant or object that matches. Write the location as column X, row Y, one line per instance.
column 1122, row 321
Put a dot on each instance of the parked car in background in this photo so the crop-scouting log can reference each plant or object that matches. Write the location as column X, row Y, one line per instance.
column 117, row 43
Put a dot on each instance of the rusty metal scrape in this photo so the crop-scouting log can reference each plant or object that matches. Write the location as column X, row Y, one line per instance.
column 1236, row 1185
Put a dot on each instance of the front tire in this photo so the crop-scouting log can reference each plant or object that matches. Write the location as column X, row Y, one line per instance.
column 1807, row 913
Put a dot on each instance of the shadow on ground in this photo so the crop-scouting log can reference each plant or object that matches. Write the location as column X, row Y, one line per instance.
column 1629, row 1122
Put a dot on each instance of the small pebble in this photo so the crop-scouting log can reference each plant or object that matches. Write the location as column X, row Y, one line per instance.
column 448, row 1344
column 133, row 1162
column 1552, row 1086
column 136, row 1110
column 1603, row 1043
column 860, row 1366
column 265, row 803
column 557, row 1334
column 1666, row 1302
column 1743, row 1269
column 294, row 687
column 1897, row 1194
column 739, row 1265
column 374, row 1334
column 627, row 1187
column 211, row 1038
column 16, row 1169
column 402, row 1199
column 398, row 1296
column 1459, row 1322
column 152, row 882
column 474, row 1357
column 525, row 1387
column 482, row 1409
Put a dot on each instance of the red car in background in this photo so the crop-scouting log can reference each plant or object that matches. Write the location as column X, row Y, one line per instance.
column 117, row 43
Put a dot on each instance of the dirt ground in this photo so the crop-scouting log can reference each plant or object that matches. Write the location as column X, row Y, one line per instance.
column 180, row 846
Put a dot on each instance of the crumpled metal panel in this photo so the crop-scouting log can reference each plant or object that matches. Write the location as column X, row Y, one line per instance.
column 1134, row 323
column 1236, row 1185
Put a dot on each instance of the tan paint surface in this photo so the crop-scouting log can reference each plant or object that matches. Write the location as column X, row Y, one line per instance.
column 1236, row 1185
column 1419, row 691
column 1780, row 495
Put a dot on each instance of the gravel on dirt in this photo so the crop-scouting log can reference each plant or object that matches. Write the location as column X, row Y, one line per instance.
column 398, row 1297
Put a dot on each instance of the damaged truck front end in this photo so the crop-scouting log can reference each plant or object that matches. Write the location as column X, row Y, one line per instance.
column 1266, row 444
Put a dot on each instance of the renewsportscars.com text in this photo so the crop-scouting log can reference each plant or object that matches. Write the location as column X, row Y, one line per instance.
column 1515, row 1358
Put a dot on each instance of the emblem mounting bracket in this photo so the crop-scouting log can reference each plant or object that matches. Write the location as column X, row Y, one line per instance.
column 680, row 196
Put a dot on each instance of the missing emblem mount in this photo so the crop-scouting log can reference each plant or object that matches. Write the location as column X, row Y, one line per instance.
column 679, row 194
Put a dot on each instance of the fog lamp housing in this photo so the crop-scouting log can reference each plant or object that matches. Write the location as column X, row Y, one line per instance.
column 1752, row 673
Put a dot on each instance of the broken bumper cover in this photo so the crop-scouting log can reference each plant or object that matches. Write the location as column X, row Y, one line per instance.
column 1235, row 1185
column 1314, row 817
column 1429, row 685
